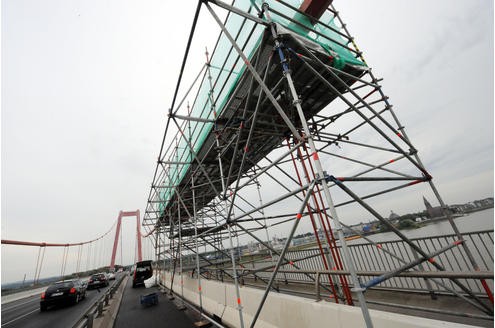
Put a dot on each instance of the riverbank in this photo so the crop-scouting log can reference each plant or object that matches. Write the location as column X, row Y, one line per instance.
column 473, row 222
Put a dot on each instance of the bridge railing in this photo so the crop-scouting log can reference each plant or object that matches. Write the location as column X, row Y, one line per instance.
column 370, row 258
column 96, row 309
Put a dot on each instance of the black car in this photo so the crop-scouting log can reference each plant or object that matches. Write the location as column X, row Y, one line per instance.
column 142, row 271
column 63, row 292
column 97, row 280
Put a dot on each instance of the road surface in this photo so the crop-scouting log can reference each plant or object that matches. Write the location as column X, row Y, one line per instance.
column 26, row 313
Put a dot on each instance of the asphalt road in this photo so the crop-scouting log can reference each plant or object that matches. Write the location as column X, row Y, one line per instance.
column 26, row 312
column 165, row 314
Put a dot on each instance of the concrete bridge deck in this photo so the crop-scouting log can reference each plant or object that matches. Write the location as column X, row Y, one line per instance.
column 165, row 314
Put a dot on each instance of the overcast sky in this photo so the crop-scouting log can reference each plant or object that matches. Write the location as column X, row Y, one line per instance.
column 86, row 86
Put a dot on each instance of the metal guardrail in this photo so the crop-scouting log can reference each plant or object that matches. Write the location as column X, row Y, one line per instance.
column 305, row 268
column 370, row 258
column 96, row 310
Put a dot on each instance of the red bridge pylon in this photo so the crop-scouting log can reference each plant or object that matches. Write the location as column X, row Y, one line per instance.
column 117, row 232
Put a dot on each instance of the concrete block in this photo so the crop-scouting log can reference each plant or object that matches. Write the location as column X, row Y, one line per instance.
column 281, row 310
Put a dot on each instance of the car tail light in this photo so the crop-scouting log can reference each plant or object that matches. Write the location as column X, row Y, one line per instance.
column 43, row 296
column 72, row 290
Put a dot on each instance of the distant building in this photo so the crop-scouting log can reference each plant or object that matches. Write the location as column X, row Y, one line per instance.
column 393, row 216
column 434, row 212
column 476, row 205
column 254, row 247
column 277, row 243
column 487, row 202
column 461, row 208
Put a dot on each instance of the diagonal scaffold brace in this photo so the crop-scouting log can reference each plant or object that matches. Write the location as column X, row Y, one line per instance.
column 407, row 266
column 342, row 186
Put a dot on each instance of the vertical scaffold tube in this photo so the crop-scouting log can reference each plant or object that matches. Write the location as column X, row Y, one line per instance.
column 179, row 245
column 229, row 228
column 195, row 215
column 319, row 171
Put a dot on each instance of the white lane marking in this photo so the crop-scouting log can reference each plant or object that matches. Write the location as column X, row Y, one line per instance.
column 22, row 316
column 17, row 305
column 6, row 299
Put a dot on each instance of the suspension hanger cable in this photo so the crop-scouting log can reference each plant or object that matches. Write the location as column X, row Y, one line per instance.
column 37, row 264
column 41, row 265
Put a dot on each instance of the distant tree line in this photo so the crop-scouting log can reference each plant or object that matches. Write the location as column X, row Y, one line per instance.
column 406, row 221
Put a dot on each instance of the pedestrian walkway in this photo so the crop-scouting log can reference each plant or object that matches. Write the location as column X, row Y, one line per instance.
column 165, row 314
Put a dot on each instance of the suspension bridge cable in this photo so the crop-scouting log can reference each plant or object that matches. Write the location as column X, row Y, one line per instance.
column 44, row 244
column 42, row 249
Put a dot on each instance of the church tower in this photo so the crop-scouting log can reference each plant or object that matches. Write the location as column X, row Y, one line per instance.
column 429, row 208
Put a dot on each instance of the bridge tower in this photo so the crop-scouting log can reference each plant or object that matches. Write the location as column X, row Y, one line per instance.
column 117, row 232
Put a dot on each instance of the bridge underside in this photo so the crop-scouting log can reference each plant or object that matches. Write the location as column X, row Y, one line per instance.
column 268, row 131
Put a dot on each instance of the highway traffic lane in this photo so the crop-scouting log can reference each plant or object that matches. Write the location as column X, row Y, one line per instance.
column 25, row 302
column 19, row 309
column 26, row 312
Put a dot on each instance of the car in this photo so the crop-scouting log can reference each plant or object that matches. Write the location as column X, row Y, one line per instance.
column 142, row 271
column 63, row 292
column 97, row 280
column 111, row 276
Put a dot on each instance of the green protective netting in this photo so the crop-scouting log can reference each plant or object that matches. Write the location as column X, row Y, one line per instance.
column 226, row 68
column 327, row 37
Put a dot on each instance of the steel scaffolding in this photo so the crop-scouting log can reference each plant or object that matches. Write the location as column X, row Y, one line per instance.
column 287, row 125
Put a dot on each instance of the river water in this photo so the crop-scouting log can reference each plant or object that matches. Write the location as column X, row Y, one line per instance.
column 481, row 245
column 477, row 221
